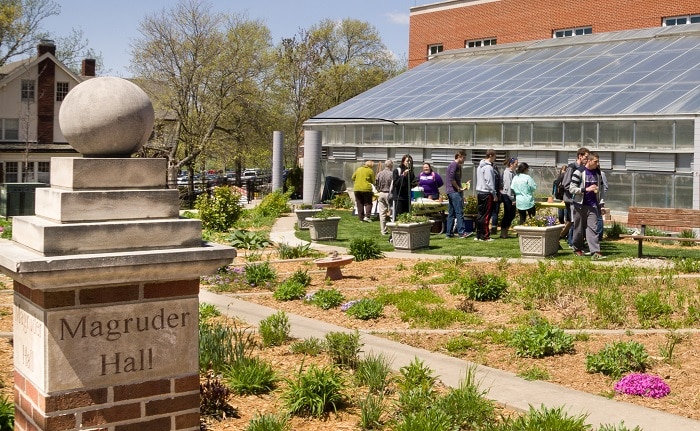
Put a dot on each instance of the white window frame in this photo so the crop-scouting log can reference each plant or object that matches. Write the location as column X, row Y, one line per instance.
column 62, row 89
column 571, row 32
column 435, row 48
column 478, row 43
column 687, row 19
column 4, row 129
column 28, row 90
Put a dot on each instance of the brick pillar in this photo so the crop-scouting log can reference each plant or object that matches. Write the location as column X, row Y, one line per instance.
column 106, row 284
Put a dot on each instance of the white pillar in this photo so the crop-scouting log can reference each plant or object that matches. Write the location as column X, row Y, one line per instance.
column 277, row 160
column 312, row 165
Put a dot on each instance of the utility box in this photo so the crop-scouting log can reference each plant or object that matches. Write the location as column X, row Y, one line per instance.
column 17, row 199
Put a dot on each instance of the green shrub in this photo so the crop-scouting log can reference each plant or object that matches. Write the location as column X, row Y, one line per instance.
column 220, row 345
column 481, row 287
column 7, row 414
column 534, row 373
column 686, row 265
column 5, row 229
column 365, row 309
column 248, row 240
column 620, row 427
column 687, row 233
column 274, row 329
column 268, row 422
column 365, row 249
column 615, row 231
column 425, row 419
column 545, row 418
column 213, row 398
column 221, row 211
column 327, row 298
column 371, row 412
column 259, row 274
column 618, row 358
column 250, row 376
column 539, row 338
column 289, row 290
column 286, row 251
column 467, row 405
column 314, row 392
column 651, row 306
column 273, row 204
column 416, row 374
column 373, row 371
column 344, row 348
column 301, row 276
column 342, row 201
column 311, row 346
column 208, row 311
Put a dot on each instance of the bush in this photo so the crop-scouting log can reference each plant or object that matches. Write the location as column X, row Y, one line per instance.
column 481, row 287
column 301, row 276
column 687, row 233
column 274, row 330
column 248, row 240
column 286, row 251
column 258, row 274
column 544, row 419
column 344, row 348
column 618, row 358
column 273, row 205
column 268, row 422
column 289, row 290
column 207, row 312
column 615, row 231
column 7, row 414
column 250, row 376
column 373, row 371
column 539, row 339
column 326, row 298
column 311, row 346
column 314, row 392
column 213, row 399
column 220, row 345
column 221, row 211
column 364, row 309
column 365, row 249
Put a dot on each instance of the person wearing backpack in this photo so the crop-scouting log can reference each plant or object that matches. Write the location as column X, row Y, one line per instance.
column 558, row 193
column 587, row 190
column 507, row 195
column 568, row 231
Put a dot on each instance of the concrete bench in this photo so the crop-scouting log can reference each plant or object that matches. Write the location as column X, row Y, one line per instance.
column 663, row 218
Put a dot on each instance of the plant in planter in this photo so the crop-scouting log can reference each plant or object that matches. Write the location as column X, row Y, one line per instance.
column 410, row 231
column 323, row 225
column 539, row 235
column 303, row 211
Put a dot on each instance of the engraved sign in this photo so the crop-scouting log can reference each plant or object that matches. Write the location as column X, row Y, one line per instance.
column 28, row 340
column 102, row 346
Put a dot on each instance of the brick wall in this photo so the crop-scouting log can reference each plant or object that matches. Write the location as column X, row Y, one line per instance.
column 521, row 20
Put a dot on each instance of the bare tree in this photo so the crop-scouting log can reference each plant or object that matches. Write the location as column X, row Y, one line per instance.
column 20, row 26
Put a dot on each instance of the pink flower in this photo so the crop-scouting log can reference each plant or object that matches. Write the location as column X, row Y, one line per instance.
column 645, row 385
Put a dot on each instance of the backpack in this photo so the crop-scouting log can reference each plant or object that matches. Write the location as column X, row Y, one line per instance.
column 566, row 180
column 559, row 187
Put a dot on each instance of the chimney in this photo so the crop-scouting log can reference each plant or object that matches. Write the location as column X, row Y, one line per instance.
column 88, row 67
column 46, row 45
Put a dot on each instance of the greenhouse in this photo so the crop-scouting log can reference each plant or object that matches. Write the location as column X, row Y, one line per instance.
column 631, row 96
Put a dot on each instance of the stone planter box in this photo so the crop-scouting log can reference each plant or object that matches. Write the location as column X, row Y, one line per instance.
column 410, row 236
column 323, row 229
column 539, row 241
column 303, row 214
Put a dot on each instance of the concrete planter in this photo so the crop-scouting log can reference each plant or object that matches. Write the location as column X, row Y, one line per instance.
column 323, row 229
column 539, row 241
column 410, row 236
column 303, row 214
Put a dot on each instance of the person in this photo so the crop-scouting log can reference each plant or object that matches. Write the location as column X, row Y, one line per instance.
column 383, row 184
column 430, row 181
column 455, row 198
column 363, row 179
column 586, row 188
column 600, row 226
column 581, row 157
column 524, row 187
column 496, row 207
column 558, row 193
column 507, row 195
column 404, row 180
column 486, row 195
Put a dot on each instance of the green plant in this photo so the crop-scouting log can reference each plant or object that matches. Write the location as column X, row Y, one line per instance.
column 672, row 339
column 258, row 274
column 220, row 344
column 615, row 231
column 286, row 251
column 543, row 219
column 324, row 214
column 273, row 204
column 268, row 422
column 467, row 405
column 344, row 348
column 545, row 418
column 248, row 240
column 341, row 201
column 213, row 398
column 326, row 298
column 411, row 217
column 534, row 373
column 371, row 412
column 650, row 306
column 608, row 304
column 289, row 290
column 314, row 392
column 539, row 338
column 373, row 371
column 471, row 205
column 7, row 414
column 274, row 329
column 481, row 287
column 221, row 211
column 5, row 229
column 250, row 376
column 311, row 346
column 300, row 276
column 365, row 309
column 365, row 249
column 620, row 427
column 686, row 265
column 618, row 358
column 425, row 420
column 208, row 311
column 416, row 375
column 687, row 233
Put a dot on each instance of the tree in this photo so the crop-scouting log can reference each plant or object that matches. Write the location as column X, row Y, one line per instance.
column 203, row 70
column 73, row 48
column 20, row 26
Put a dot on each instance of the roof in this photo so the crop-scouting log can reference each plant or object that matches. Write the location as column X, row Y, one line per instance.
column 647, row 72
column 12, row 70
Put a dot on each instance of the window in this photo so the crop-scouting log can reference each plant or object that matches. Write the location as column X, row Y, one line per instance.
column 28, row 89
column 61, row 91
column 11, row 172
column 479, row 43
column 434, row 49
column 680, row 20
column 10, row 129
column 570, row 32
column 44, row 172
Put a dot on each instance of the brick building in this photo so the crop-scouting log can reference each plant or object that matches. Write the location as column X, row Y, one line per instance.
column 456, row 24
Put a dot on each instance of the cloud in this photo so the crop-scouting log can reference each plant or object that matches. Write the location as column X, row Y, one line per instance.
column 398, row 17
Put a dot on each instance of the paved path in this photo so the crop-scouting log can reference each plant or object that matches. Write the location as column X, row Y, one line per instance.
column 503, row 387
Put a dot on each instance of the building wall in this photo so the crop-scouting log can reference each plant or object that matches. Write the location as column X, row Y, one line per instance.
column 451, row 23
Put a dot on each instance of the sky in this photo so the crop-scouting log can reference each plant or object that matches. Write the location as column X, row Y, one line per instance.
column 111, row 26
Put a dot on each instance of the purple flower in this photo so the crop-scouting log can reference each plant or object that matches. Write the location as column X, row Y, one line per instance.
column 645, row 385
column 348, row 304
column 309, row 296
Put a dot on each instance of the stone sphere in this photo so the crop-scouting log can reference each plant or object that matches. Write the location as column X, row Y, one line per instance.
column 106, row 117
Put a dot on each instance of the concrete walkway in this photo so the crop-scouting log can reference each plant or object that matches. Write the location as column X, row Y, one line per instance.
column 503, row 387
